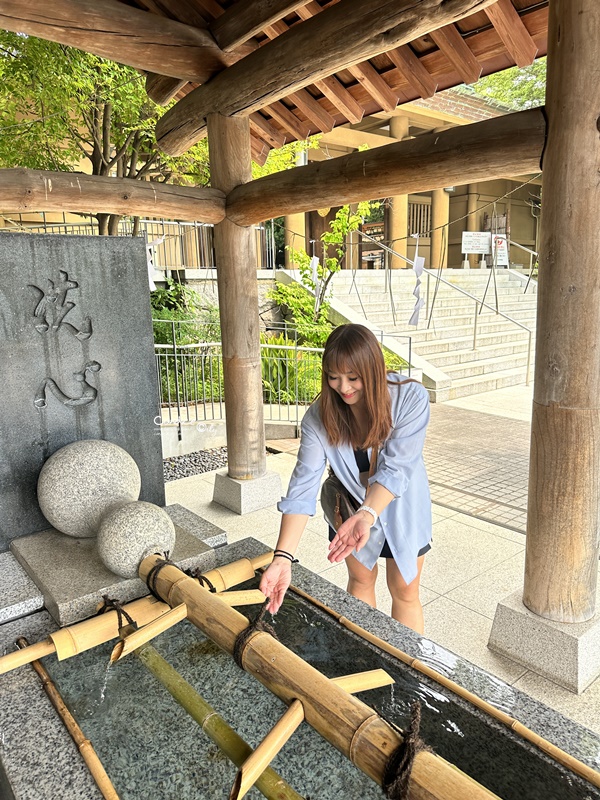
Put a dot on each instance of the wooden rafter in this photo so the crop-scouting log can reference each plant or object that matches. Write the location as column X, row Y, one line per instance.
column 347, row 33
column 375, row 85
column 26, row 190
column 315, row 113
column 413, row 70
column 512, row 31
column 114, row 30
column 341, row 98
column 161, row 88
column 289, row 121
column 499, row 147
column 457, row 51
column 246, row 18
column 268, row 132
column 181, row 10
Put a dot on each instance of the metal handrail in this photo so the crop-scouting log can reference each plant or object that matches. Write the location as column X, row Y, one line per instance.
column 479, row 304
column 532, row 253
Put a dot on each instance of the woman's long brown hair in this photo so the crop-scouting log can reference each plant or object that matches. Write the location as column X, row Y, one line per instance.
column 354, row 348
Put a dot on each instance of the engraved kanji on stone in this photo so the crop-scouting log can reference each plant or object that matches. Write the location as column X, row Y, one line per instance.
column 53, row 306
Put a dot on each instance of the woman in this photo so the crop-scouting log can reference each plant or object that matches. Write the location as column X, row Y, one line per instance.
column 360, row 408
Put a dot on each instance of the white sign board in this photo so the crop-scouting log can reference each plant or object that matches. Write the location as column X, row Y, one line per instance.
column 499, row 250
column 476, row 242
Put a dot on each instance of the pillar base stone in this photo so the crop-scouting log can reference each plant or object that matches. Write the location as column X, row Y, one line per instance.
column 565, row 653
column 249, row 495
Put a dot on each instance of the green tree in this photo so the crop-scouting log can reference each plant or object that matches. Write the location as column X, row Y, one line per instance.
column 307, row 304
column 516, row 88
column 60, row 106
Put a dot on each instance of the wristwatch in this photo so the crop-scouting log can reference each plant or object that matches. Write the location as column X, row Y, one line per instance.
column 371, row 511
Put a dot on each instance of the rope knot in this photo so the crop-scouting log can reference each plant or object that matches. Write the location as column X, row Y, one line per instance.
column 254, row 626
column 396, row 776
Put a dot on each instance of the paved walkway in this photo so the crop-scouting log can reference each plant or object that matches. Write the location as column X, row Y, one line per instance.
column 476, row 453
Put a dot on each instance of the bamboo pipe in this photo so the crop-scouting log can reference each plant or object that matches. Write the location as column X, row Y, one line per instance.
column 293, row 717
column 350, row 725
column 363, row 681
column 266, row 751
column 84, row 745
column 235, row 748
column 567, row 760
column 25, row 656
column 139, row 637
column 82, row 636
column 248, row 597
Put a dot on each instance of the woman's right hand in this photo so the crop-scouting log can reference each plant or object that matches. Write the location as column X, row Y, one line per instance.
column 275, row 582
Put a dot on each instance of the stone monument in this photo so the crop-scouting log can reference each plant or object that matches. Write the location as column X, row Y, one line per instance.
column 77, row 357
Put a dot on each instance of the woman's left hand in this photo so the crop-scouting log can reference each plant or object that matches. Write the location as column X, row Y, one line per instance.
column 351, row 535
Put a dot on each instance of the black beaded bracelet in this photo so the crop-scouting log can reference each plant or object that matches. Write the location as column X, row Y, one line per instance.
column 285, row 554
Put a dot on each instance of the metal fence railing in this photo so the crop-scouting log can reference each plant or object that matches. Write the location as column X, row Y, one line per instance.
column 191, row 386
column 175, row 245
column 190, row 375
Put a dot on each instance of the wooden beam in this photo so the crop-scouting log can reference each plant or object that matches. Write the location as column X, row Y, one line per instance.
column 347, row 33
column 161, row 88
column 350, row 137
column 286, row 118
column 114, row 30
column 313, row 110
column 500, row 147
column 246, row 18
column 509, row 26
column 181, row 10
column 375, row 85
column 259, row 150
column 341, row 98
column 413, row 70
column 266, row 131
column 25, row 190
column 457, row 51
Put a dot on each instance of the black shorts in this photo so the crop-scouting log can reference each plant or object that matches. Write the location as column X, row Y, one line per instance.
column 386, row 552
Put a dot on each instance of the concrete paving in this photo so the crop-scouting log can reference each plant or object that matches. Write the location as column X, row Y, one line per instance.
column 476, row 453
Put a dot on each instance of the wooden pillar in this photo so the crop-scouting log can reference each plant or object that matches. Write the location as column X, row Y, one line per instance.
column 440, row 216
column 564, row 481
column 398, row 210
column 235, row 255
column 472, row 219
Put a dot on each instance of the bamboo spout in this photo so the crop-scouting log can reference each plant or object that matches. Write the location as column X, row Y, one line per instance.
column 350, row 725
column 132, row 641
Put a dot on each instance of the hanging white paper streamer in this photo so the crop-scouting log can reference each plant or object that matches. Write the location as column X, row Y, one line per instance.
column 314, row 263
column 418, row 266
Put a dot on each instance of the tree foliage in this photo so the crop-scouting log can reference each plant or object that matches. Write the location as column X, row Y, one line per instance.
column 517, row 88
column 61, row 107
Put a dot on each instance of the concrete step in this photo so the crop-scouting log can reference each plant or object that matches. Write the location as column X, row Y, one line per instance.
column 444, row 360
column 463, row 387
column 451, row 332
column 464, row 342
column 484, row 366
column 443, row 306
column 459, row 318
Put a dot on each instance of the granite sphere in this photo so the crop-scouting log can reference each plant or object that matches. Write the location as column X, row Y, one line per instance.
column 130, row 533
column 84, row 480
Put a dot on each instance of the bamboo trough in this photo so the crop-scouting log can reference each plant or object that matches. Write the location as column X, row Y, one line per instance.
column 348, row 724
column 567, row 760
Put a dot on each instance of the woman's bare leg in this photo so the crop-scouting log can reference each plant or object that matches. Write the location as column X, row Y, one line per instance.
column 406, row 605
column 361, row 581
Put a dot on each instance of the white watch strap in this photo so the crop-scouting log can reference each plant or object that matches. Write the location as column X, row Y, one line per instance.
column 371, row 511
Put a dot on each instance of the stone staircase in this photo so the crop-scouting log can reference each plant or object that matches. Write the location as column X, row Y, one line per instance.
column 444, row 348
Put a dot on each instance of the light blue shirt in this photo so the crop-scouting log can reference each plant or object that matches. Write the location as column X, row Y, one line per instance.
column 406, row 521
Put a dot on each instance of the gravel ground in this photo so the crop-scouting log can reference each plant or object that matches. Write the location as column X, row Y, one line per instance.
column 194, row 463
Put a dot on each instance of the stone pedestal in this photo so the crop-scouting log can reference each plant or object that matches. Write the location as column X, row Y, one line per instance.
column 565, row 653
column 246, row 496
column 72, row 578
